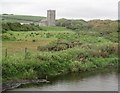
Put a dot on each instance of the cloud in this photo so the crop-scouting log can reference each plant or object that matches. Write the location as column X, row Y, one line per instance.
column 85, row 9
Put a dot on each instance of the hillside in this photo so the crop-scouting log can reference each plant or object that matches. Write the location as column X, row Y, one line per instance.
column 20, row 18
column 37, row 54
column 32, row 52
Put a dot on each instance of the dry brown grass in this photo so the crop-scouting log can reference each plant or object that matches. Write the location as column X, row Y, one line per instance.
column 19, row 46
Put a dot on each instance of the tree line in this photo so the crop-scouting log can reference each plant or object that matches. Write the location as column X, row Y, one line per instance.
column 78, row 25
column 18, row 27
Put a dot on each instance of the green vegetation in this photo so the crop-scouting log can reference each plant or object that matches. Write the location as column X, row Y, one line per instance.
column 18, row 27
column 41, row 64
column 20, row 18
column 94, row 25
column 56, row 50
column 28, row 27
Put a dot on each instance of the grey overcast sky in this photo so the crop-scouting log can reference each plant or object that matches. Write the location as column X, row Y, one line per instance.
column 73, row 9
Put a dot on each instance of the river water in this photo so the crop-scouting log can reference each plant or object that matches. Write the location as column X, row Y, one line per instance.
column 77, row 82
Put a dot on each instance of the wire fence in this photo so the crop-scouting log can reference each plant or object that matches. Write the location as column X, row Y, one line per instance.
column 24, row 51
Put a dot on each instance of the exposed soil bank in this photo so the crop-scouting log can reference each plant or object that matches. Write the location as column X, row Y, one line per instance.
column 15, row 84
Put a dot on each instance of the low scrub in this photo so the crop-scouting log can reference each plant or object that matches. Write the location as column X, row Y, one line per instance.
column 39, row 65
column 59, row 45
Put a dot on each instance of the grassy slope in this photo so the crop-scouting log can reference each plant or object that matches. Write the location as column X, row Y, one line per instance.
column 95, row 52
column 17, row 41
column 20, row 18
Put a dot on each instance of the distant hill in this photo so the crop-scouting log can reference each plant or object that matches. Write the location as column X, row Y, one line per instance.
column 20, row 18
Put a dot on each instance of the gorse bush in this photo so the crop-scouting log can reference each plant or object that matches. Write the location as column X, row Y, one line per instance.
column 59, row 45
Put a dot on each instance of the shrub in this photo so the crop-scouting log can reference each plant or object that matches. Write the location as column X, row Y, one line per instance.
column 33, row 40
column 18, row 27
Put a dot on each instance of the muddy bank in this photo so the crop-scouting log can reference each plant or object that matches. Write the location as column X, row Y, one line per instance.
column 14, row 84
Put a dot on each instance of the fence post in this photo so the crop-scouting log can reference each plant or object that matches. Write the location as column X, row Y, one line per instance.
column 25, row 53
column 6, row 52
column 46, row 77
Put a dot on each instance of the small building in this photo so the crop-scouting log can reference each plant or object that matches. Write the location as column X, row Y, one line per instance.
column 50, row 20
column 22, row 23
column 43, row 22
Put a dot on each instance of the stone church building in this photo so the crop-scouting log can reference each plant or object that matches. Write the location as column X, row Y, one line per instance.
column 50, row 20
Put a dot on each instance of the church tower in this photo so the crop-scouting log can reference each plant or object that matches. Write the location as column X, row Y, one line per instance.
column 51, row 17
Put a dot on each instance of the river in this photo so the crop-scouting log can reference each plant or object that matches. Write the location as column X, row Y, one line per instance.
column 77, row 82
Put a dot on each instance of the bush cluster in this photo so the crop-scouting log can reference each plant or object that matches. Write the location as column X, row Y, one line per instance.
column 19, row 27
column 97, row 25
column 39, row 65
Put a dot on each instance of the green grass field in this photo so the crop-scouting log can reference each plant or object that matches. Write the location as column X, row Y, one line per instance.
column 20, row 18
column 31, row 39
column 48, row 52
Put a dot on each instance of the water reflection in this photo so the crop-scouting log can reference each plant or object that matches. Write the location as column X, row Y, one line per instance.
column 77, row 82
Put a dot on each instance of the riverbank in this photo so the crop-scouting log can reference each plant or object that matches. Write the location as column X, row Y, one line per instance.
column 40, row 65
column 71, row 77
column 54, row 63
column 77, row 82
column 31, row 57
column 14, row 84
